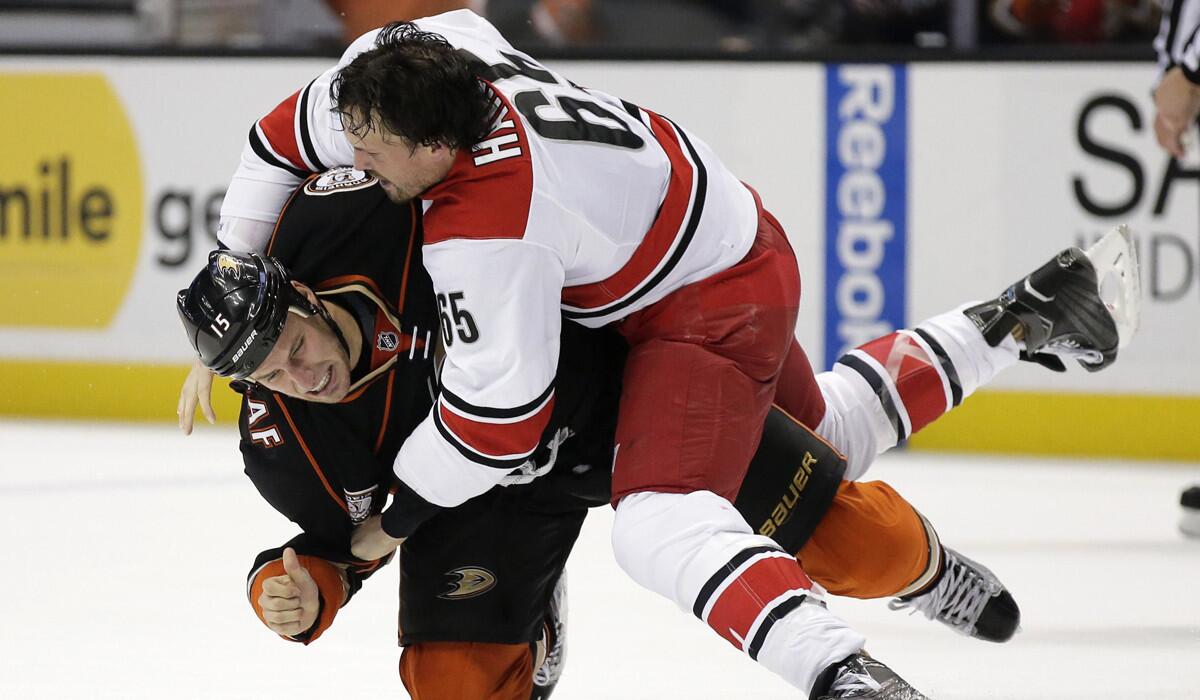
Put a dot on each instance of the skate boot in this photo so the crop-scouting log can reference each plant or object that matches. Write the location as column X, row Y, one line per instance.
column 860, row 676
column 553, row 644
column 1081, row 306
column 969, row 599
column 1189, row 500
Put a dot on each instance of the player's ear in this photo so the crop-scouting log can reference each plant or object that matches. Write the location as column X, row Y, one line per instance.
column 305, row 291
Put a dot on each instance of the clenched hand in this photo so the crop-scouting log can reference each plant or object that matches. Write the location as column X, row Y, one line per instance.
column 290, row 602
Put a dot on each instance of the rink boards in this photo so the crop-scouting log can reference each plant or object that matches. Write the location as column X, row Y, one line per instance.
column 906, row 190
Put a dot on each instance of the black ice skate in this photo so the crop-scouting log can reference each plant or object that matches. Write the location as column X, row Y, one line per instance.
column 969, row 599
column 860, row 676
column 546, row 676
column 1081, row 306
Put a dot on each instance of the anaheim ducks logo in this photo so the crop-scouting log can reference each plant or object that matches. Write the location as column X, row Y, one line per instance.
column 468, row 582
column 226, row 263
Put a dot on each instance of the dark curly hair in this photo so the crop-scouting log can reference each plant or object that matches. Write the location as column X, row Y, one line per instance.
column 415, row 85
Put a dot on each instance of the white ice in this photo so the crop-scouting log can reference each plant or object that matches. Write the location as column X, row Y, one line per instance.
column 125, row 551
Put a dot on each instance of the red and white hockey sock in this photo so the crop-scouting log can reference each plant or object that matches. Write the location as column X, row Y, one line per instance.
column 697, row 550
column 884, row 391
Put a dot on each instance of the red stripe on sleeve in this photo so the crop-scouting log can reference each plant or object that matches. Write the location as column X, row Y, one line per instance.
column 915, row 375
column 279, row 126
column 667, row 226
column 500, row 175
column 499, row 439
column 743, row 600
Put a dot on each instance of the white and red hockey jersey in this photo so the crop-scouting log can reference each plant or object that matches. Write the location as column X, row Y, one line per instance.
column 577, row 204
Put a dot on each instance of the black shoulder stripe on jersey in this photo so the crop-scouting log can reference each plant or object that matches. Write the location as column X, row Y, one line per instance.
column 305, row 135
column 689, row 232
column 947, row 365
column 261, row 150
column 714, row 582
column 775, row 614
column 486, row 412
column 885, row 397
column 472, row 455
column 634, row 110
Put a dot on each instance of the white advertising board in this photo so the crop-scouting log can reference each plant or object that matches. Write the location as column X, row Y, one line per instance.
column 1013, row 162
column 906, row 190
column 182, row 125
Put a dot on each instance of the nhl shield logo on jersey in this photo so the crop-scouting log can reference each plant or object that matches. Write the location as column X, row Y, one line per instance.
column 387, row 341
column 358, row 503
column 468, row 582
column 342, row 179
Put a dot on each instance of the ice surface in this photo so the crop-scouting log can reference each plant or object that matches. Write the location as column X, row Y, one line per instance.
column 126, row 550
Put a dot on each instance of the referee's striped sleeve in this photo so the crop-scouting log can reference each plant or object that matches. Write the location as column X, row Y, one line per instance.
column 1177, row 43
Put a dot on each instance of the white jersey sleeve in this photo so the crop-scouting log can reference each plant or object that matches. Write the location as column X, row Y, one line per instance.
column 301, row 136
column 499, row 302
column 1177, row 43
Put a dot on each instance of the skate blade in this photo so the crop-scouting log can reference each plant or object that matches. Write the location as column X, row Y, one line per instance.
column 1115, row 258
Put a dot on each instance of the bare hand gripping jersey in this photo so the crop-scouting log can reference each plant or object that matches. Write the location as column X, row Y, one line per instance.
column 553, row 214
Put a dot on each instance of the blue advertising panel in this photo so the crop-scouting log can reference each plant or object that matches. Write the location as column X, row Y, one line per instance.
column 866, row 204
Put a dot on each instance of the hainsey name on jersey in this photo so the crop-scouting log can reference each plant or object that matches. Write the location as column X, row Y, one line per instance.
column 503, row 141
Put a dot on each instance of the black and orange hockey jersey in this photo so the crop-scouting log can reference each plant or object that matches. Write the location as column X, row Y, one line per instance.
column 327, row 467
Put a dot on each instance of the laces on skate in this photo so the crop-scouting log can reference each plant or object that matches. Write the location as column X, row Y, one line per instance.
column 961, row 599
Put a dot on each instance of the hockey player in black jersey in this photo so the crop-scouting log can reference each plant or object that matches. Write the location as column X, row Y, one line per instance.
column 340, row 371
column 322, row 419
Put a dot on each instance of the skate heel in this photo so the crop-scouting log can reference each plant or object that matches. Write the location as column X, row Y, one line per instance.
column 1081, row 306
column 1118, row 280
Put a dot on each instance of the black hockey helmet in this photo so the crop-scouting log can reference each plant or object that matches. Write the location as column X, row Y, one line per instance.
column 236, row 308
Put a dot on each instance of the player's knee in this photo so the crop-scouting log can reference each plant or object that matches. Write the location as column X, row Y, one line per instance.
column 456, row 670
column 672, row 543
column 635, row 514
column 870, row 544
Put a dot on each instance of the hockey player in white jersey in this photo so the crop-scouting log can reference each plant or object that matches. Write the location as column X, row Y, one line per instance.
column 542, row 197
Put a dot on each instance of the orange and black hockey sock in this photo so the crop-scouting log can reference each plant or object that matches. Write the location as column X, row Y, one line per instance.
column 871, row 543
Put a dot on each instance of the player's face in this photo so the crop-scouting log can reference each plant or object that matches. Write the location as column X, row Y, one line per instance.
column 404, row 170
column 307, row 362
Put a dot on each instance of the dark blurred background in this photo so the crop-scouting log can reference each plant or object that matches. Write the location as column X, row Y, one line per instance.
column 591, row 27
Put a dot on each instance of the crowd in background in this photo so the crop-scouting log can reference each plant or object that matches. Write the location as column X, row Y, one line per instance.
column 654, row 25
column 741, row 25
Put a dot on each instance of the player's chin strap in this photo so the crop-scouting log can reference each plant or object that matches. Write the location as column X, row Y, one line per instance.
column 324, row 313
